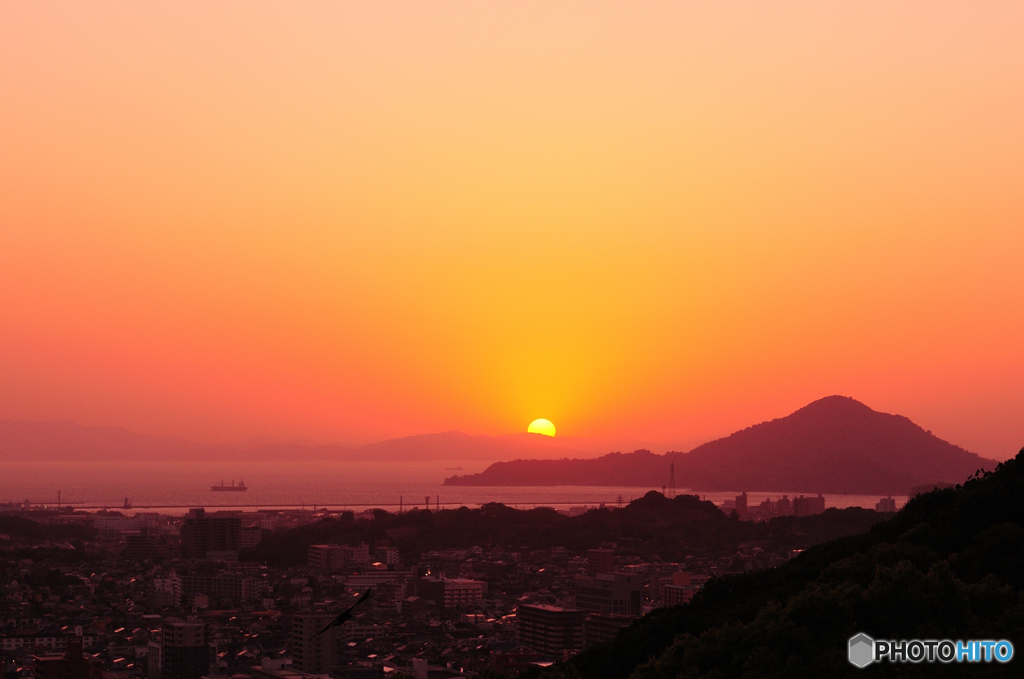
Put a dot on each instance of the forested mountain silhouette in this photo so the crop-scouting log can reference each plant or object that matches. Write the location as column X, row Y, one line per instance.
column 833, row 445
column 950, row 565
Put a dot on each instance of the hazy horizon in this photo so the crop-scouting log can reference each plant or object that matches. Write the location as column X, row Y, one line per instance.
column 585, row 444
column 595, row 445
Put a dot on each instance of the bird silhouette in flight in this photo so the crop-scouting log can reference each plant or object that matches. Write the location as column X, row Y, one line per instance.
column 345, row 615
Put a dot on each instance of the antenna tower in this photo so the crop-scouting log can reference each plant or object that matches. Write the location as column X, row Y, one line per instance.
column 672, row 480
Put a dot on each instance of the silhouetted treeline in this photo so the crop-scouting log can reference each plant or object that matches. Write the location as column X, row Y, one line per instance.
column 20, row 527
column 652, row 525
column 28, row 538
column 949, row 565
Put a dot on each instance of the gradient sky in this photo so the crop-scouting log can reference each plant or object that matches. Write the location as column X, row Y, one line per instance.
column 352, row 221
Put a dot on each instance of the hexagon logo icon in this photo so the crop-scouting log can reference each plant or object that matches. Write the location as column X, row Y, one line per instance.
column 861, row 650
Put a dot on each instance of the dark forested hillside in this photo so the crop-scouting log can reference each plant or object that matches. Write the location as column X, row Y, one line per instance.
column 949, row 565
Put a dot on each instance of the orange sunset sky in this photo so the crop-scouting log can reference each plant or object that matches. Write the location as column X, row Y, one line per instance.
column 664, row 221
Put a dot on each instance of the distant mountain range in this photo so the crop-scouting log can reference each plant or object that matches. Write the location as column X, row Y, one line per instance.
column 65, row 441
column 834, row 445
column 21, row 440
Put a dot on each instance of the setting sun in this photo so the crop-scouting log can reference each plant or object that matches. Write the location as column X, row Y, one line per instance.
column 542, row 426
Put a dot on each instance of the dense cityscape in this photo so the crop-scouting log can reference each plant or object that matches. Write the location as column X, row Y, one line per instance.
column 140, row 595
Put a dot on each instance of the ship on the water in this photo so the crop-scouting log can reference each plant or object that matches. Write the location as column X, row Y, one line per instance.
column 223, row 486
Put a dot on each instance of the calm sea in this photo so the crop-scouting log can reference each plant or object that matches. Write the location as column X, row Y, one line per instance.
column 175, row 487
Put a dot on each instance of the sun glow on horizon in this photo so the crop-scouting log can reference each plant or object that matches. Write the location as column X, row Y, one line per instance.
column 658, row 222
column 541, row 426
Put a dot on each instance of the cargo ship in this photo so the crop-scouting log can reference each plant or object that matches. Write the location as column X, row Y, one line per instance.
column 223, row 486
